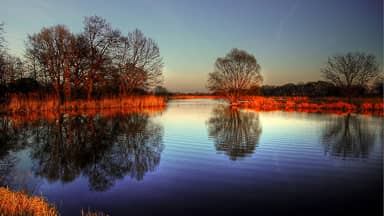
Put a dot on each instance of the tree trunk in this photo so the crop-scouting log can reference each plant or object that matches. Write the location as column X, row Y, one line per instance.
column 90, row 88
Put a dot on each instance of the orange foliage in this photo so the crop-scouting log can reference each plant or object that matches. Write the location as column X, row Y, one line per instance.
column 19, row 119
column 22, row 110
column 18, row 203
column 27, row 105
column 304, row 104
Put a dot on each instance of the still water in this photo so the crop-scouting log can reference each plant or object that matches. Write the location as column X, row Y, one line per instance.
column 198, row 157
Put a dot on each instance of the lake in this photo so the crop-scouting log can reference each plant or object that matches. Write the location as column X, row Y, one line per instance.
column 197, row 157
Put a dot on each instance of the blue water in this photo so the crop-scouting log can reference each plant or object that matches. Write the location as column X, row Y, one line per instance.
column 199, row 157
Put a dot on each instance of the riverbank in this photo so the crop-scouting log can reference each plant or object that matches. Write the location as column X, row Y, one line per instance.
column 305, row 104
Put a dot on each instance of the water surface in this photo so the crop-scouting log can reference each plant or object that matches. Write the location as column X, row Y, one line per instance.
column 198, row 157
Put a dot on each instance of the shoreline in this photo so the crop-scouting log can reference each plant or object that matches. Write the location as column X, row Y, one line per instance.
column 153, row 104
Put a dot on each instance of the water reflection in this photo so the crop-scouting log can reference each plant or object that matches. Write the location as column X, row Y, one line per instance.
column 235, row 132
column 348, row 136
column 102, row 149
column 8, row 142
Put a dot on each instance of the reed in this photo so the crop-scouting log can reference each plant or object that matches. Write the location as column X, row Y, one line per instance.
column 19, row 204
column 23, row 104
column 305, row 104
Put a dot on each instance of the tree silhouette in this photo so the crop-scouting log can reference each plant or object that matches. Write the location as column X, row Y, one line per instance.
column 53, row 49
column 234, row 74
column 101, row 39
column 351, row 71
column 88, row 64
column 235, row 132
column 139, row 62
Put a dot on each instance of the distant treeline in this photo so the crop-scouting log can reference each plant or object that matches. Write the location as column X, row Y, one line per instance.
column 314, row 89
column 32, row 87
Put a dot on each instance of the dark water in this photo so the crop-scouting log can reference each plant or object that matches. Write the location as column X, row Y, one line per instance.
column 198, row 157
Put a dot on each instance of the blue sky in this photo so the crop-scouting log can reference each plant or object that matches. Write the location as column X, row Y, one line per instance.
column 291, row 39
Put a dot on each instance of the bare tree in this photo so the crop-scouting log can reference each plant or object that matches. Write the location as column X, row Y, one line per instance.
column 235, row 73
column 11, row 67
column 2, row 40
column 14, row 68
column 139, row 62
column 351, row 70
column 100, row 39
column 3, row 71
column 52, row 48
column 2, row 56
column 79, row 64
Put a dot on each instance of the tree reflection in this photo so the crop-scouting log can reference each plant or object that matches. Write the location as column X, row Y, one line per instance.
column 8, row 143
column 348, row 136
column 8, row 136
column 235, row 132
column 101, row 149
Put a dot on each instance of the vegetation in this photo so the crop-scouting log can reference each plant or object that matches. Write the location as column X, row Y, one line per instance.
column 317, row 89
column 351, row 72
column 27, row 105
column 100, row 67
column 234, row 74
column 89, row 94
column 18, row 203
column 305, row 104
column 96, row 63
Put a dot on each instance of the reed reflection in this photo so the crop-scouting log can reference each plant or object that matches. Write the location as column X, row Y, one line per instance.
column 100, row 148
column 348, row 136
column 235, row 132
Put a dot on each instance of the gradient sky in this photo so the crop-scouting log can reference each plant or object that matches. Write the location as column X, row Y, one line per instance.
column 291, row 39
